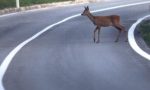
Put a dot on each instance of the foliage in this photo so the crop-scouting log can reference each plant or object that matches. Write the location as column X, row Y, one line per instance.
column 145, row 31
column 31, row 2
column 7, row 3
column 12, row 3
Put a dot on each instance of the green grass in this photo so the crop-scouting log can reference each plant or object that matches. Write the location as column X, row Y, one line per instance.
column 12, row 3
column 145, row 31
column 31, row 2
column 7, row 4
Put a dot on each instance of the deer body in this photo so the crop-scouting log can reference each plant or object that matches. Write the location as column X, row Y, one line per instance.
column 104, row 21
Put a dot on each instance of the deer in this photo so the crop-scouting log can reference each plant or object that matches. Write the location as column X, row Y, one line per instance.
column 104, row 21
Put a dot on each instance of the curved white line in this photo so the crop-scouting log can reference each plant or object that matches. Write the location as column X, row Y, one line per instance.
column 132, row 41
column 11, row 55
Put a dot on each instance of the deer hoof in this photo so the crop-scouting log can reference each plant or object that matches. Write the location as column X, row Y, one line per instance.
column 94, row 40
column 97, row 41
column 116, row 40
column 126, row 40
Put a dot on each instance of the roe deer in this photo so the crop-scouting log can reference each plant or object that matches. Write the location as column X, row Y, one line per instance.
column 104, row 21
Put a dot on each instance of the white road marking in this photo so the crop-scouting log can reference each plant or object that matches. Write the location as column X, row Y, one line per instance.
column 11, row 55
column 132, row 41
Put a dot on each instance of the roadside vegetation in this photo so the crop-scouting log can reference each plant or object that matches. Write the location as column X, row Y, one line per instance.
column 7, row 4
column 12, row 3
column 144, row 28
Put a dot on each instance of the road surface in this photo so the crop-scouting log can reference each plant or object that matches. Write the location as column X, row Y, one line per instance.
column 65, row 57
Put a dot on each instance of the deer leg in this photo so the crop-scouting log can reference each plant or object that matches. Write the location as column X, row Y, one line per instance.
column 119, row 32
column 126, row 33
column 94, row 34
column 117, row 39
column 99, row 28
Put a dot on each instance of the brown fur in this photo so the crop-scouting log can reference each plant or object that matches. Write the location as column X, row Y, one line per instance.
column 104, row 21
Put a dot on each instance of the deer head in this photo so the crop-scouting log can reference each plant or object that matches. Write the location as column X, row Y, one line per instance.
column 86, row 11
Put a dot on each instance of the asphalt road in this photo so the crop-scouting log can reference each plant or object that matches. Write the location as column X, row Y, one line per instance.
column 65, row 57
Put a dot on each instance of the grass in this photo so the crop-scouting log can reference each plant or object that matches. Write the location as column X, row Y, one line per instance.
column 12, row 3
column 145, row 31
column 7, row 4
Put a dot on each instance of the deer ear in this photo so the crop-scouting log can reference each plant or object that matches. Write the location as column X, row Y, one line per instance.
column 87, row 7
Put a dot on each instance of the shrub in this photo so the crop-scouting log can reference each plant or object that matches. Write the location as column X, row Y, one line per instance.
column 145, row 31
column 7, row 3
column 12, row 3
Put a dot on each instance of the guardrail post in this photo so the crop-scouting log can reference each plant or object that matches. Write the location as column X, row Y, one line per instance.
column 17, row 4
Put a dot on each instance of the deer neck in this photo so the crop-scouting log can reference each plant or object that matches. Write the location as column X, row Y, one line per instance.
column 91, row 17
